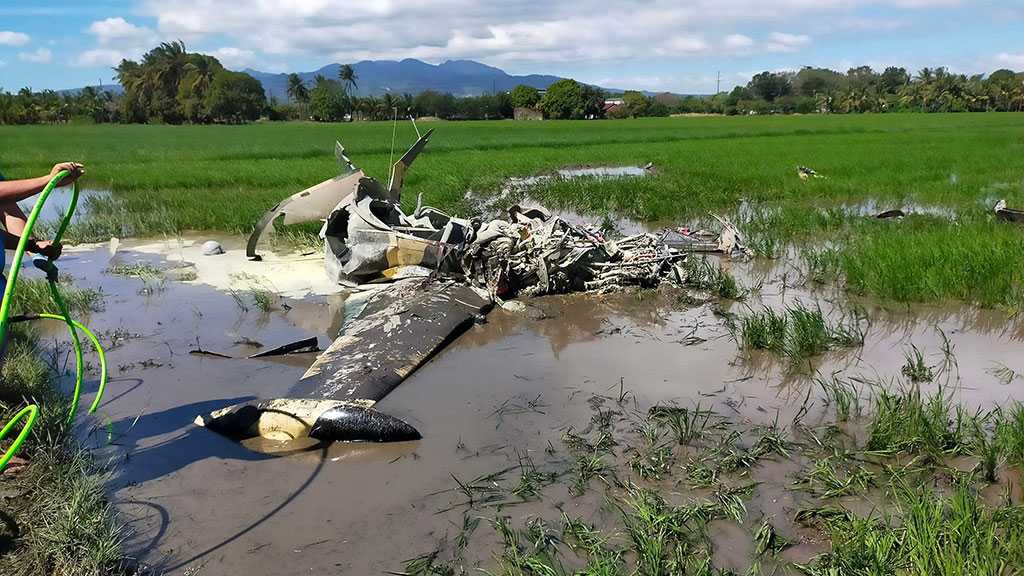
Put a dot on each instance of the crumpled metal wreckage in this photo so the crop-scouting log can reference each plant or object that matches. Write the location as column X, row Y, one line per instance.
column 423, row 279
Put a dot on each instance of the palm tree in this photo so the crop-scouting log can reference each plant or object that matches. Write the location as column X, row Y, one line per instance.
column 348, row 76
column 297, row 90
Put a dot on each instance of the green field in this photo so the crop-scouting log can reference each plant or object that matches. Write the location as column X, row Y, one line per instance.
column 172, row 178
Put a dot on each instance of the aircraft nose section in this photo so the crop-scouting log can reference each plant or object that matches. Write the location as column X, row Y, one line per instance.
column 287, row 419
column 347, row 423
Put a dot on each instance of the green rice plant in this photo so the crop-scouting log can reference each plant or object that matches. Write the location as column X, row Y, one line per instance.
column 67, row 525
column 263, row 299
column 652, row 462
column 701, row 473
column 585, row 469
column 531, row 480
column 427, row 565
column 842, row 396
column 659, row 536
column 850, row 331
column 767, row 540
column 686, row 424
column 602, row 559
column 33, row 295
column 798, row 334
column 907, row 421
column 765, row 330
column 823, row 265
column 828, row 481
column 915, row 368
column 771, row 441
column 989, row 451
column 135, row 270
column 702, row 275
column 532, row 551
column 1010, row 433
column 808, row 336
column 729, row 502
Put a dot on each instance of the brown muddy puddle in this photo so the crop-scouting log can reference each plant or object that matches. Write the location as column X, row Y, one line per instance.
column 198, row 503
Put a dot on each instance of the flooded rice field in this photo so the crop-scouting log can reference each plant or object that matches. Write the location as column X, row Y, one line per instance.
column 504, row 412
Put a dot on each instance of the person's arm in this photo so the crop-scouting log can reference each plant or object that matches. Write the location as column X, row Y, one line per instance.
column 18, row 190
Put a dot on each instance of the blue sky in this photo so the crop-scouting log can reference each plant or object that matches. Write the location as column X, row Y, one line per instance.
column 675, row 45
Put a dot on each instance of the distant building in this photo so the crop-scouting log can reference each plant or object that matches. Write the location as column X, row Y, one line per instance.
column 611, row 105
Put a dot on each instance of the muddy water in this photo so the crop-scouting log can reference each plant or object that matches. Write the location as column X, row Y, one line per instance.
column 58, row 201
column 198, row 503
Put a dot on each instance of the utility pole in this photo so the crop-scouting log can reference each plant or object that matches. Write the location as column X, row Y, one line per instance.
column 718, row 83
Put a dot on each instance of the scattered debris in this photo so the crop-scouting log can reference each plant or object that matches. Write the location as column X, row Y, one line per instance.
column 532, row 254
column 895, row 213
column 1009, row 214
column 298, row 347
column 302, row 346
column 212, row 248
column 804, row 172
column 427, row 276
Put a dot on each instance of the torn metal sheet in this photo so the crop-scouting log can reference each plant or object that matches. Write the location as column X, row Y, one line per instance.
column 312, row 204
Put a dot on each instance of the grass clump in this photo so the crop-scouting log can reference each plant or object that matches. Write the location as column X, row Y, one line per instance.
column 843, row 396
column 798, row 334
column 931, row 534
column 823, row 266
column 702, row 275
column 686, row 424
column 71, row 530
column 33, row 295
column 909, row 421
column 915, row 368
column 65, row 526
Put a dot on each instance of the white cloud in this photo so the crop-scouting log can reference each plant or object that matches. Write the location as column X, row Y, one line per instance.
column 37, row 56
column 500, row 32
column 99, row 57
column 737, row 42
column 116, row 40
column 8, row 38
column 118, row 31
column 235, row 58
column 1015, row 61
column 683, row 45
column 783, row 42
column 2, row 63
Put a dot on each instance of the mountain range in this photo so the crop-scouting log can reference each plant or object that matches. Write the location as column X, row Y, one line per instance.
column 411, row 76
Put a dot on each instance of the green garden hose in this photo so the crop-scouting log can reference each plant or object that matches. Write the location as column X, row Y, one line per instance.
column 32, row 410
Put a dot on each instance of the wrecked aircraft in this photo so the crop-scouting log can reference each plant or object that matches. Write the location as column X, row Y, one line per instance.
column 422, row 280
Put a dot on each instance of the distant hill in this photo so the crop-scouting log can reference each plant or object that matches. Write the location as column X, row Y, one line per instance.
column 375, row 77
column 409, row 76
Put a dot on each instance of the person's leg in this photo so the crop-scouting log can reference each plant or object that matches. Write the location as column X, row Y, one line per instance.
column 14, row 218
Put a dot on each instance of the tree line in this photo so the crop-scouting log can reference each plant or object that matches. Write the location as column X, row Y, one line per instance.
column 862, row 89
column 173, row 86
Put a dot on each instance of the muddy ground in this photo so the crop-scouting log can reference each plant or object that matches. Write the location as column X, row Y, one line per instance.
column 198, row 503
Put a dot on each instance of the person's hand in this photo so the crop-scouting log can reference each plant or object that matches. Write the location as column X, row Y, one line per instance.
column 47, row 248
column 75, row 170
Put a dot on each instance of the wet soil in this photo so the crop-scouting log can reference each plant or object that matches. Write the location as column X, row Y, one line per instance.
column 198, row 503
